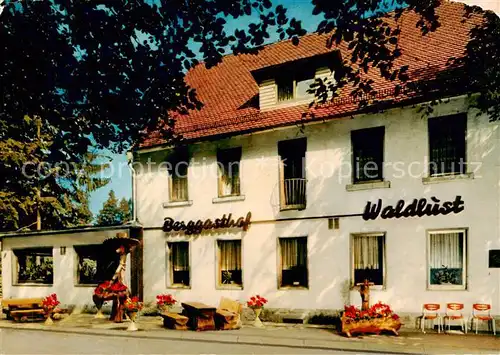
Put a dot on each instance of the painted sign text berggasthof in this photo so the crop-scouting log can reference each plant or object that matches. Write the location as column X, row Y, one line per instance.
column 196, row 227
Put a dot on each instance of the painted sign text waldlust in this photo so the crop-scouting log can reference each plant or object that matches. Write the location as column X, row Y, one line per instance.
column 417, row 208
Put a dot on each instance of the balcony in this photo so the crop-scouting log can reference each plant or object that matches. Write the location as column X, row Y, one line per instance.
column 293, row 194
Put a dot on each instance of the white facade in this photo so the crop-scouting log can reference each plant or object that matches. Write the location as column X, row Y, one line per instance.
column 329, row 251
column 331, row 199
column 65, row 283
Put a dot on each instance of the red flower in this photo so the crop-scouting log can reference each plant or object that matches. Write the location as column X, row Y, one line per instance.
column 50, row 302
column 165, row 300
column 133, row 304
column 256, row 302
column 117, row 287
column 377, row 310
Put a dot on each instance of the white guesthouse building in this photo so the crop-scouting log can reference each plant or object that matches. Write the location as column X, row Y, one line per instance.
column 308, row 243
column 263, row 201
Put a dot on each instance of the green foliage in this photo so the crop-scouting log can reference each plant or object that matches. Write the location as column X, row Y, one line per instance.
column 30, row 180
column 114, row 212
column 101, row 74
column 125, row 210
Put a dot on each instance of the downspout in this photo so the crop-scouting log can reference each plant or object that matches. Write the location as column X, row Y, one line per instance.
column 136, row 231
column 130, row 161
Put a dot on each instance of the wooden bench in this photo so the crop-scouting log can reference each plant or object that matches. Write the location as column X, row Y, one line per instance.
column 13, row 304
column 228, row 314
column 27, row 315
column 174, row 321
column 226, row 320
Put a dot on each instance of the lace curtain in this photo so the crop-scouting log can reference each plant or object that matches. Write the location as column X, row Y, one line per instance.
column 446, row 251
column 293, row 252
column 366, row 252
column 180, row 256
column 230, row 254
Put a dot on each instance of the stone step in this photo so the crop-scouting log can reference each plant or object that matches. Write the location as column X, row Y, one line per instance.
column 294, row 317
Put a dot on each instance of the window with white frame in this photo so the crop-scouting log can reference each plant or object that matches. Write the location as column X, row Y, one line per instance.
column 228, row 163
column 229, row 256
column 34, row 265
column 447, row 259
column 447, row 148
column 293, row 262
column 179, row 264
column 368, row 262
column 178, row 173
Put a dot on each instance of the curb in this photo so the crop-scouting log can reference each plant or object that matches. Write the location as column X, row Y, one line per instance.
column 230, row 339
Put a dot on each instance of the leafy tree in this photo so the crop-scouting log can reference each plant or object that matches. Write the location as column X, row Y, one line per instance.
column 110, row 214
column 125, row 209
column 75, row 62
column 29, row 183
column 102, row 73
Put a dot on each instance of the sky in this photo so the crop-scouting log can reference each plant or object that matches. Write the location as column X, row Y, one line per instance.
column 121, row 181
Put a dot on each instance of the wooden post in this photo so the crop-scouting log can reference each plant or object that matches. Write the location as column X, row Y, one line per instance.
column 364, row 291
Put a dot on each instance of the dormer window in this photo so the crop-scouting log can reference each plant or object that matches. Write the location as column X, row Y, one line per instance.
column 287, row 84
column 294, row 86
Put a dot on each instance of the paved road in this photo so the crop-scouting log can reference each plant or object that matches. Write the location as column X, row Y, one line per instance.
column 15, row 341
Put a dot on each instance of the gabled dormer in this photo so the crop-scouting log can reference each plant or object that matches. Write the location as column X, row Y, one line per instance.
column 287, row 84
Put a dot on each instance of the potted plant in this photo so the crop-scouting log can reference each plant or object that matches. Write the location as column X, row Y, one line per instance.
column 164, row 302
column 49, row 303
column 446, row 276
column 257, row 303
column 132, row 307
column 377, row 318
column 227, row 277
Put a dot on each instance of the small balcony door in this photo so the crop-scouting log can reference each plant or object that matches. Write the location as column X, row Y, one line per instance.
column 292, row 174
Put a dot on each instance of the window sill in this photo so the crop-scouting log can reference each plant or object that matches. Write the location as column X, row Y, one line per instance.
column 177, row 204
column 32, row 284
column 369, row 185
column 177, row 287
column 445, row 178
column 285, row 288
column 446, row 288
column 224, row 199
column 372, row 288
column 86, row 285
column 289, row 103
column 299, row 207
column 229, row 287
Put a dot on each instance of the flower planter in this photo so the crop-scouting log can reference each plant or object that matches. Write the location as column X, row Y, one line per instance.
column 48, row 320
column 257, row 323
column 132, row 315
column 373, row 325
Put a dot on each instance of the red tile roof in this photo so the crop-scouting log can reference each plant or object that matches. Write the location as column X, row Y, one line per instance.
column 224, row 89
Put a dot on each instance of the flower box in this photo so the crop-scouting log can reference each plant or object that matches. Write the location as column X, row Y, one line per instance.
column 375, row 319
column 374, row 325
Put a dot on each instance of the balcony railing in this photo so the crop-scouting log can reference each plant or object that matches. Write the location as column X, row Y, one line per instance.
column 293, row 195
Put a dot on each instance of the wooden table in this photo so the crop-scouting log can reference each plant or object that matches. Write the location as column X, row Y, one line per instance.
column 201, row 316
